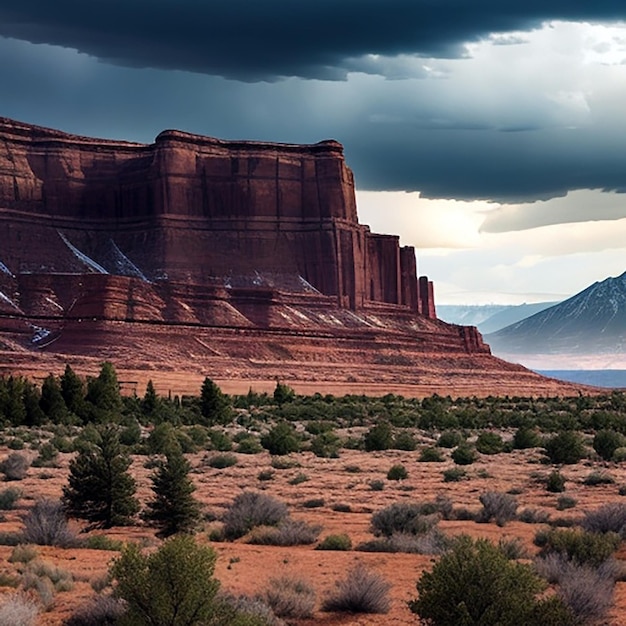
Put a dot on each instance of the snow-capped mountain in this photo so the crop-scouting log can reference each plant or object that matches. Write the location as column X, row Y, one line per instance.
column 590, row 322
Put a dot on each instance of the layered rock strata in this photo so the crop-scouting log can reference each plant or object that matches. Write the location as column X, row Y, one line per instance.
column 252, row 251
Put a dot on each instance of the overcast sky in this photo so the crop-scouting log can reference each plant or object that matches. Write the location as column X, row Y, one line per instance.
column 489, row 134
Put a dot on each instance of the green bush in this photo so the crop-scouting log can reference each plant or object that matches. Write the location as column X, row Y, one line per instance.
column 450, row 439
column 8, row 498
column 565, row 502
column 555, row 483
column 606, row 442
column 404, row 440
column 454, row 474
column 489, row 443
column 525, row 438
column 376, row 485
column 335, row 542
column 464, row 455
column 475, row 583
column 249, row 445
column 282, row 439
column 430, row 455
column 580, row 546
column 326, row 444
column 173, row 585
column 378, row 437
column 598, row 478
column 397, row 472
column 566, row 447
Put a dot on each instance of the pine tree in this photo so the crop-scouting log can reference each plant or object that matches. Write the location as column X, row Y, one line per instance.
column 214, row 405
column 73, row 391
column 52, row 402
column 150, row 401
column 103, row 393
column 174, row 509
column 100, row 489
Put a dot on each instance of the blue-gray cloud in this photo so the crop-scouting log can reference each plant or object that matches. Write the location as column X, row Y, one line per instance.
column 254, row 40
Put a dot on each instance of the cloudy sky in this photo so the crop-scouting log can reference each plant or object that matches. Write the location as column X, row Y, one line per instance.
column 489, row 134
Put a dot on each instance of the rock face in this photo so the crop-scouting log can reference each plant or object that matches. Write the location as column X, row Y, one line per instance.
column 250, row 251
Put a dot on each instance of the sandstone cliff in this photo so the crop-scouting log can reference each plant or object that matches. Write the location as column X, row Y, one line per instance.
column 222, row 256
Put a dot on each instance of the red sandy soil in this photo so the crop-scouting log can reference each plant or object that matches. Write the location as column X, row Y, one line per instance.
column 246, row 569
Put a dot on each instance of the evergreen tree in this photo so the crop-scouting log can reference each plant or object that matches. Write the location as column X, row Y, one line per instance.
column 100, row 489
column 12, row 409
column 215, row 407
column 73, row 391
column 34, row 415
column 52, row 402
column 103, row 393
column 283, row 393
column 174, row 509
column 150, row 401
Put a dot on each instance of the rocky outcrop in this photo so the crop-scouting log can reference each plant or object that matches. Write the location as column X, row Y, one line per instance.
column 196, row 251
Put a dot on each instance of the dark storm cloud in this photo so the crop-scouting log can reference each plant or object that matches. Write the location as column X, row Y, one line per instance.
column 265, row 40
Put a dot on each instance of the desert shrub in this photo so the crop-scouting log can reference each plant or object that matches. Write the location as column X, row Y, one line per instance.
column 609, row 518
column 378, row 437
column 489, row 443
column 431, row 542
column 23, row 553
column 10, row 538
column 17, row 609
column 499, row 506
column 555, row 483
column 265, row 475
column 454, row 474
column 47, row 456
column 566, row 447
column 173, row 585
column 525, row 438
column 313, row 503
column 397, row 472
column 430, row 454
column 102, row 542
column 290, row 597
column 101, row 610
column 376, row 485
column 9, row 498
column 249, row 445
column 251, row 509
column 619, row 456
column 513, row 548
column 580, row 546
column 300, row 477
column 362, row 591
column 281, row 439
column 221, row 461
column 450, row 439
column 565, row 502
column 464, row 455
column 533, row 516
column 288, row 532
column 598, row 478
column 218, row 438
column 15, row 466
column 45, row 524
column 475, row 583
column 587, row 592
column 326, row 444
column 404, row 517
column 606, row 442
column 244, row 611
column 335, row 542
column 341, row 507
column 404, row 440
column 284, row 463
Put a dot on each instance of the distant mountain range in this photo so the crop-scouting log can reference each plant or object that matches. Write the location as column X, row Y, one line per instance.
column 489, row 317
column 585, row 331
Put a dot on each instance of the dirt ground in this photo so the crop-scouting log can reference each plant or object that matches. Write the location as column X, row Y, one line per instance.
column 349, row 501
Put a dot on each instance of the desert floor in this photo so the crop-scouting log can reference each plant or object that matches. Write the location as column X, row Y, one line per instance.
column 342, row 483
